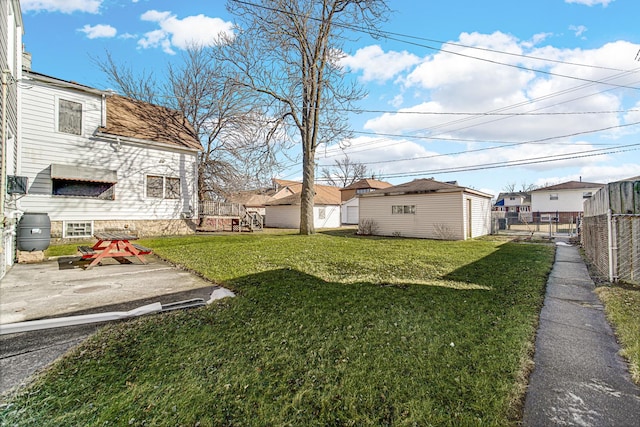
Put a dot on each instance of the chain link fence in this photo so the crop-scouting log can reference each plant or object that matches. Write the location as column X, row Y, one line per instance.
column 612, row 244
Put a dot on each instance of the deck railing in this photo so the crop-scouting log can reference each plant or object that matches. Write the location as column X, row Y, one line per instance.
column 208, row 207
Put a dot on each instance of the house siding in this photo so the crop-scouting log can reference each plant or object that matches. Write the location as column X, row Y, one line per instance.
column 11, row 61
column 288, row 216
column 43, row 145
column 348, row 207
column 438, row 215
column 568, row 200
column 480, row 215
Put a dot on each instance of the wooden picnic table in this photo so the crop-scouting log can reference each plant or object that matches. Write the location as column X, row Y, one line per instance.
column 113, row 245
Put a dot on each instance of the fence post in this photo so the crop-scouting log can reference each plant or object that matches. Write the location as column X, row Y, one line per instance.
column 613, row 250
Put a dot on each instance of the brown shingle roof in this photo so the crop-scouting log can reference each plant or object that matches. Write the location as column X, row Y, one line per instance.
column 367, row 183
column 325, row 195
column 421, row 186
column 130, row 118
column 571, row 185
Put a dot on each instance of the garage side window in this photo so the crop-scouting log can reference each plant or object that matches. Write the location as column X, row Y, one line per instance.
column 69, row 117
column 403, row 209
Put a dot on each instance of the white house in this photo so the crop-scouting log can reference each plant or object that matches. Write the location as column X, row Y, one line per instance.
column 429, row 209
column 285, row 212
column 562, row 200
column 11, row 30
column 94, row 161
column 350, row 201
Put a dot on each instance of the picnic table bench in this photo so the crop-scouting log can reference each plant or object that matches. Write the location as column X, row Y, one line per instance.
column 113, row 245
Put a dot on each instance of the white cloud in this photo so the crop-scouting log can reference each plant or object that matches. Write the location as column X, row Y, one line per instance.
column 181, row 33
column 449, row 84
column 377, row 65
column 578, row 30
column 98, row 31
column 64, row 6
column 604, row 3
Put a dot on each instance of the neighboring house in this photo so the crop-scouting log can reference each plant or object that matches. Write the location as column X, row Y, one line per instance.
column 284, row 188
column 285, row 212
column 11, row 30
column 98, row 161
column 563, row 201
column 429, row 209
column 513, row 202
column 350, row 201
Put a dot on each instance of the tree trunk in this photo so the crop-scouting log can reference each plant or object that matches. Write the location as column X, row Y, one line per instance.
column 308, row 192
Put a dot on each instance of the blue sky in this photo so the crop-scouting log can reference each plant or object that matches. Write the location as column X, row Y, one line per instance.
column 457, row 91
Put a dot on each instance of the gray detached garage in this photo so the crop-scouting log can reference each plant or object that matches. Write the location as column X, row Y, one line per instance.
column 426, row 208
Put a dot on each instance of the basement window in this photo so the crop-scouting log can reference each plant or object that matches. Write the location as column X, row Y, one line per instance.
column 77, row 229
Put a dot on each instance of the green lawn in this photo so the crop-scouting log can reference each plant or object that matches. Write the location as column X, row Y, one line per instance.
column 329, row 329
column 622, row 305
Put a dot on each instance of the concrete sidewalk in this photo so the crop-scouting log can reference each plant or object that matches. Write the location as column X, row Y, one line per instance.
column 579, row 378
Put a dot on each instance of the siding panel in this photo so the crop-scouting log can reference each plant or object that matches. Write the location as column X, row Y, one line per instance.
column 42, row 145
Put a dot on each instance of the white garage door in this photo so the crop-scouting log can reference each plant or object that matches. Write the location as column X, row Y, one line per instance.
column 352, row 214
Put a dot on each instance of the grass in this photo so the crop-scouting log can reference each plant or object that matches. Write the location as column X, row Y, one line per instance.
column 622, row 305
column 327, row 329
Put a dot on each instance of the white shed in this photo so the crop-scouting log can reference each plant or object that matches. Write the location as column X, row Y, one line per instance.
column 285, row 212
column 426, row 208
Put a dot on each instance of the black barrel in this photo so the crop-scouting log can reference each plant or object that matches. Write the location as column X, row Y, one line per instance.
column 34, row 232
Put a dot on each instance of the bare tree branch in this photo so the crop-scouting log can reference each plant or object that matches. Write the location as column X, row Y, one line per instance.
column 287, row 52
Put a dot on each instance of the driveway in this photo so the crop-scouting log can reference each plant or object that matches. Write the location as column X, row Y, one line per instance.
column 62, row 287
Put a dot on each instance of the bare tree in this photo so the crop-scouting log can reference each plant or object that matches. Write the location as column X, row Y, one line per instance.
column 237, row 137
column 287, row 52
column 344, row 173
column 525, row 187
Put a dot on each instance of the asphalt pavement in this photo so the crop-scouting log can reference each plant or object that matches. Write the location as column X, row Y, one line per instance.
column 579, row 378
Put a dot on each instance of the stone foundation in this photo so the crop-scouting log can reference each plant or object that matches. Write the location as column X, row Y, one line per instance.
column 33, row 257
column 140, row 228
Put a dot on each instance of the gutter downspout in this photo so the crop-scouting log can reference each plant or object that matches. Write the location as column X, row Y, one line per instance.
column 3, row 176
column 59, row 322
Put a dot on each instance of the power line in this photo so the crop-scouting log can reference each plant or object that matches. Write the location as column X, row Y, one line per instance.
column 502, row 146
column 388, row 35
column 501, row 164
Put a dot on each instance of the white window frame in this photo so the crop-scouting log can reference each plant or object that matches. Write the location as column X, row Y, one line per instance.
column 65, row 234
column 554, row 196
column 322, row 212
column 403, row 209
column 57, row 112
column 165, row 190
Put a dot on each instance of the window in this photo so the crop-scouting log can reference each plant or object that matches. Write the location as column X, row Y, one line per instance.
column 364, row 190
column 553, row 196
column 73, row 188
column 172, row 188
column 160, row 187
column 78, row 229
column 586, row 194
column 403, row 209
column 69, row 117
column 512, row 198
column 322, row 213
